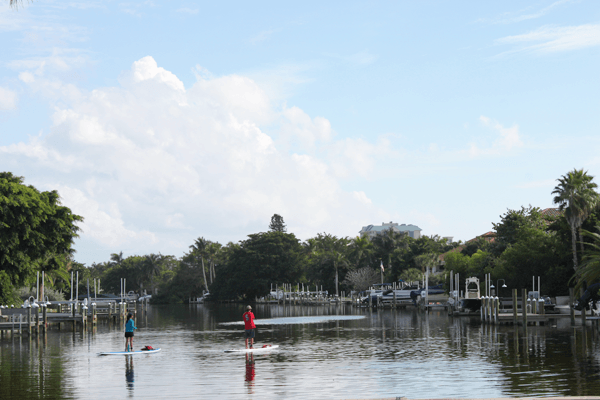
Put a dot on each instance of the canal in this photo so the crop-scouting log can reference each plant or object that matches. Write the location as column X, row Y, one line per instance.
column 326, row 352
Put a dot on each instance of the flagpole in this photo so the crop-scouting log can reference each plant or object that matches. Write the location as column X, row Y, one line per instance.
column 381, row 273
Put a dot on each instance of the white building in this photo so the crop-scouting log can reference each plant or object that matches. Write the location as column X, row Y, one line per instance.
column 371, row 230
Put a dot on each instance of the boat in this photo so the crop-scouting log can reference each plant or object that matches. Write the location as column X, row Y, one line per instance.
column 385, row 293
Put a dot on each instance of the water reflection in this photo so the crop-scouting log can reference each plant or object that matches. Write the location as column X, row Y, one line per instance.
column 250, row 372
column 129, row 375
column 31, row 368
column 392, row 353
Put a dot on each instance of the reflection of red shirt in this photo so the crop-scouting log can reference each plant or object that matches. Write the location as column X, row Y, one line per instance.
column 250, row 373
column 248, row 320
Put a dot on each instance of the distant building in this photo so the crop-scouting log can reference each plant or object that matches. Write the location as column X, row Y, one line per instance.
column 371, row 230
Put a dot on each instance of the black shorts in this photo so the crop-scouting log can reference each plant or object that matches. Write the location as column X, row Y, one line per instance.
column 249, row 333
column 128, row 334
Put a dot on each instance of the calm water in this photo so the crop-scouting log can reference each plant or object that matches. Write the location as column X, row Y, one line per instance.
column 380, row 354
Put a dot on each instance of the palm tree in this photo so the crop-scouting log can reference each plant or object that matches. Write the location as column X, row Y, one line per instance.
column 334, row 250
column 575, row 195
column 590, row 262
column 152, row 266
column 361, row 251
column 213, row 251
column 427, row 260
column 117, row 259
column 386, row 243
column 199, row 251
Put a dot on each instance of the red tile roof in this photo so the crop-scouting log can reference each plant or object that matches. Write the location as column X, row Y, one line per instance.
column 551, row 212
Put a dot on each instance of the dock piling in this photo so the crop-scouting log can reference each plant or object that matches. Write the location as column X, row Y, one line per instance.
column 524, row 306
column 571, row 301
column 29, row 320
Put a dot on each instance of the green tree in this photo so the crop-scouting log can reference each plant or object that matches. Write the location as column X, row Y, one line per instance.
column 457, row 262
column 199, row 251
column 388, row 246
column 262, row 259
column 330, row 255
column 180, row 282
column 116, row 258
column 152, row 267
column 214, row 256
column 575, row 195
column 536, row 252
column 36, row 233
column 361, row 252
column 411, row 275
column 277, row 224
column 510, row 228
column 589, row 271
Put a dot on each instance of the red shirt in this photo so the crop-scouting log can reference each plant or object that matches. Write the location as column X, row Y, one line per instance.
column 248, row 318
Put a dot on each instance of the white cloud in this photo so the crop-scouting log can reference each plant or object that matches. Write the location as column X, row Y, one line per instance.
column 152, row 165
column 361, row 58
column 509, row 139
column 8, row 99
column 357, row 157
column 146, row 69
column 549, row 39
column 136, row 8
column 186, row 10
column 430, row 223
column 308, row 131
column 362, row 197
column 262, row 36
column 546, row 183
column 104, row 225
column 508, row 19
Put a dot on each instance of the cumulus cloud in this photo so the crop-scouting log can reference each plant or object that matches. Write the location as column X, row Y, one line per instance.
column 8, row 99
column 509, row 139
column 152, row 164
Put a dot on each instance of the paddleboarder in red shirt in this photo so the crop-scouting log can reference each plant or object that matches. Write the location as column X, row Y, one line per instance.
column 249, row 326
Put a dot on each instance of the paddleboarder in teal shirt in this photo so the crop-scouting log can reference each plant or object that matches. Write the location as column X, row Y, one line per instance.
column 129, row 327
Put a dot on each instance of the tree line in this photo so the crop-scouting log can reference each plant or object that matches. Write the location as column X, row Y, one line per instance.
column 37, row 233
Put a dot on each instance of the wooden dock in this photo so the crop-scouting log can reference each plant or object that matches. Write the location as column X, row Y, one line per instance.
column 21, row 321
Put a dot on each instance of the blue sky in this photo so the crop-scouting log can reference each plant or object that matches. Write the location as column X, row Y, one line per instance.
column 163, row 121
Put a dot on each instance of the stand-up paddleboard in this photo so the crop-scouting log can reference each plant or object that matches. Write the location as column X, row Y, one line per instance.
column 266, row 347
column 128, row 353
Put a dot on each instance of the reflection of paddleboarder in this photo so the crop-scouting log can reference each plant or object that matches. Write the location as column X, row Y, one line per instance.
column 129, row 377
column 249, row 326
column 250, row 372
column 249, row 367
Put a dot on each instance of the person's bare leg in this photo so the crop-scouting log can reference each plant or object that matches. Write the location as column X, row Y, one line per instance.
column 246, row 343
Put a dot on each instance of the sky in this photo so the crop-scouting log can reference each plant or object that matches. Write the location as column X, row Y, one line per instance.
column 161, row 122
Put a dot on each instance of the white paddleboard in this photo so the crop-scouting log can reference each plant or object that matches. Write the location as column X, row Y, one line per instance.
column 254, row 350
column 127, row 353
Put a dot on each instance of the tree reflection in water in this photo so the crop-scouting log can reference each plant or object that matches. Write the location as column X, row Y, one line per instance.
column 31, row 370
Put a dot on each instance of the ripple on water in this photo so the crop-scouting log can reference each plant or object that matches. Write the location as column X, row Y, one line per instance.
column 299, row 320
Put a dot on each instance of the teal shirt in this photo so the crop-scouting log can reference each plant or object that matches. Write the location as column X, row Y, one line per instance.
column 130, row 326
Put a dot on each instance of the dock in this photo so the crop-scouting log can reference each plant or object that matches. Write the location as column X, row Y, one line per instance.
column 67, row 314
